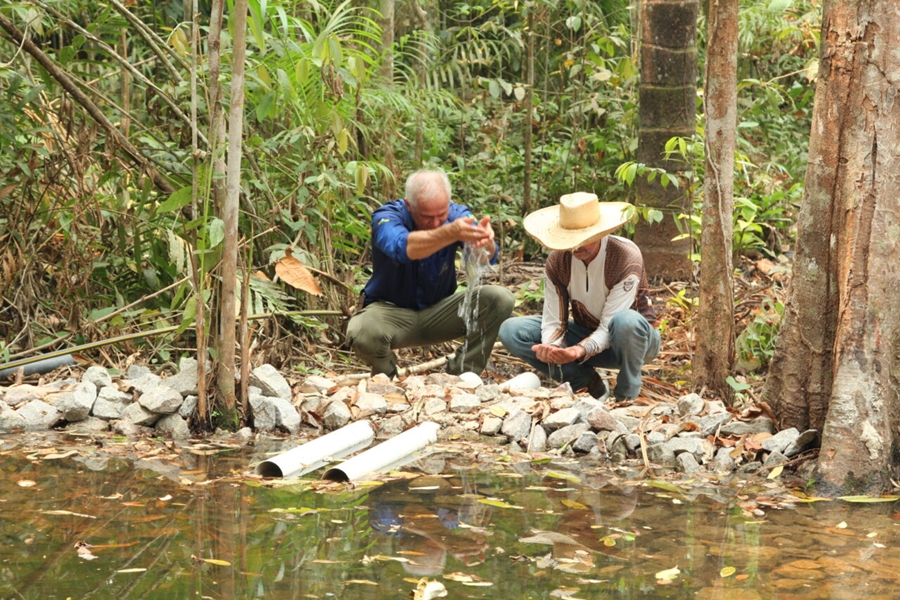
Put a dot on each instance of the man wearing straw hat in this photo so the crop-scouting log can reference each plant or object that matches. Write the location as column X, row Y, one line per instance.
column 597, row 312
column 411, row 298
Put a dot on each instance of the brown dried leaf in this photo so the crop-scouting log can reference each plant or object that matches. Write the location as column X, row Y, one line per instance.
column 295, row 274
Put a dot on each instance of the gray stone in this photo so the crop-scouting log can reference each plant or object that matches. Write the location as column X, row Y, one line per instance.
column 567, row 435
column 757, row 425
column 162, row 400
column 88, row 425
column 136, row 372
column 110, row 403
column 20, row 394
column 801, row 443
column 710, row 424
column 270, row 381
column 265, row 417
column 633, row 441
column 561, row 402
column 10, row 420
column 286, row 415
column 662, row 455
column 616, row 443
column 138, row 415
column 129, row 429
column 491, row 425
column 464, row 403
column 186, row 380
column 537, row 441
column 586, row 442
column 173, row 426
column 561, row 418
column 586, row 405
column 97, row 375
column 336, row 416
column 516, row 425
column 750, row 467
column 75, row 405
column 316, row 384
column 187, row 408
column 692, row 445
column 723, row 463
column 774, row 459
column 489, row 392
column 691, row 404
column 392, row 426
column 600, row 419
column 371, row 404
column 434, row 406
column 39, row 415
column 687, row 463
column 664, row 410
column 781, row 440
column 623, row 416
column 145, row 383
column 243, row 435
column 656, row 437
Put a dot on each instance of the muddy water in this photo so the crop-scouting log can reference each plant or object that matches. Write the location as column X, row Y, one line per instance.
column 93, row 521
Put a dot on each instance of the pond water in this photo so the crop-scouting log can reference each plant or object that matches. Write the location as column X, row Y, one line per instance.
column 96, row 521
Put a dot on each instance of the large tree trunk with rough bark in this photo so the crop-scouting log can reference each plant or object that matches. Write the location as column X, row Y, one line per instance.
column 668, row 98
column 715, row 324
column 838, row 356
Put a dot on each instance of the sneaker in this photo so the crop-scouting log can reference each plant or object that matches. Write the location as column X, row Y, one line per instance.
column 597, row 388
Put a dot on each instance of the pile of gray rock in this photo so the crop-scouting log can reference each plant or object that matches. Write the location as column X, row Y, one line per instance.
column 689, row 435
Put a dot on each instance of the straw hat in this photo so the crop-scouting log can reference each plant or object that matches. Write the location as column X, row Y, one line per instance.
column 578, row 220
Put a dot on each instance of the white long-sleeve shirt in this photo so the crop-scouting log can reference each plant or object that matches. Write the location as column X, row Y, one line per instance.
column 614, row 281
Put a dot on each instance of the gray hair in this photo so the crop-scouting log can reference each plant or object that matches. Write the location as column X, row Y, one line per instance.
column 426, row 183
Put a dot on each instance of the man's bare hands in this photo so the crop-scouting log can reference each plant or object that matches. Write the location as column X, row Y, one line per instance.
column 478, row 234
column 554, row 355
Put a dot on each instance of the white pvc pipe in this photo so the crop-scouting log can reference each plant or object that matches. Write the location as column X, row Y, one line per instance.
column 319, row 452
column 385, row 454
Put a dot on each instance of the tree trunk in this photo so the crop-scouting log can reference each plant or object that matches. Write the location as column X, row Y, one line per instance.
column 668, row 97
column 227, row 309
column 845, row 277
column 528, row 108
column 386, row 7
column 715, row 326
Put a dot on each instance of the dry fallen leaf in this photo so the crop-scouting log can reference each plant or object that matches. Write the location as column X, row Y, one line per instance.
column 294, row 273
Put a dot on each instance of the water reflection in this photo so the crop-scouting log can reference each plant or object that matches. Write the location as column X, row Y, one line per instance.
column 189, row 523
column 426, row 518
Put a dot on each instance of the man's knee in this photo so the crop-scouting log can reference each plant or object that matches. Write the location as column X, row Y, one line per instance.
column 499, row 299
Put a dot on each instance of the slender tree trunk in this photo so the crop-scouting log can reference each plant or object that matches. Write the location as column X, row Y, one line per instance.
column 839, row 352
column 228, row 270
column 668, row 97
column 386, row 7
column 715, row 342
column 529, row 109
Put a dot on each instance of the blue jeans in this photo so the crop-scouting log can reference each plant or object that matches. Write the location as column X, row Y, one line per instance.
column 633, row 342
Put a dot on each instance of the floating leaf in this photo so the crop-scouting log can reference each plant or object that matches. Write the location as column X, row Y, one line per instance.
column 66, row 512
column 727, row 571
column 134, row 570
column 868, row 499
column 216, row 561
column 574, row 504
column 498, row 503
column 428, row 590
column 294, row 273
column 566, row 476
column 668, row 574
column 362, row 581
column 776, row 472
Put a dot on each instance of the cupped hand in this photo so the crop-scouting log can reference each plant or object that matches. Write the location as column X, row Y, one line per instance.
column 554, row 355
